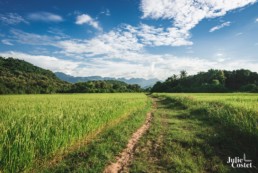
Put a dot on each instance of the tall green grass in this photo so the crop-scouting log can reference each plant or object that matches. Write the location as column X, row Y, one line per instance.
column 102, row 150
column 197, row 134
column 242, row 100
column 240, row 111
column 35, row 127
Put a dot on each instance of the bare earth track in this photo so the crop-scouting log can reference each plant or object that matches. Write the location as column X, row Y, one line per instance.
column 126, row 156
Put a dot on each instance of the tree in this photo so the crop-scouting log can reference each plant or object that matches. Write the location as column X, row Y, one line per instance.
column 183, row 74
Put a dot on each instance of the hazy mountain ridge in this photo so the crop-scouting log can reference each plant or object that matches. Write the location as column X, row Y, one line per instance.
column 140, row 81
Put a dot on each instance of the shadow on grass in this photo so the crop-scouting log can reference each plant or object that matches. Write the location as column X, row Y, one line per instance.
column 168, row 103
column 229, row 141
column 221, row 142
column 183, row 140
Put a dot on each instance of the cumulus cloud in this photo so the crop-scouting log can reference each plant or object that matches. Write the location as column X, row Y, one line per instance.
column 45, row 17
column 215, row 28
column 86, row 19
column 114, row 44
column 12, row 19
column 186, row 14
column 153, row 36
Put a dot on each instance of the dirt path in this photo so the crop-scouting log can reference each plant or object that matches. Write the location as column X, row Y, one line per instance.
column 126, row 156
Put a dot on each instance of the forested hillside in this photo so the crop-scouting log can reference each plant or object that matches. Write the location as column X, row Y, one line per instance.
column 18, row 77
column 21, row 77
column 211, row 81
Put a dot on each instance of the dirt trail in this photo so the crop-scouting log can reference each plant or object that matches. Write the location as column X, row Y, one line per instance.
column 126, row 156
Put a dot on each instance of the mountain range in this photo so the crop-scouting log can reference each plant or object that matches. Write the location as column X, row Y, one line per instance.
column 144, row 83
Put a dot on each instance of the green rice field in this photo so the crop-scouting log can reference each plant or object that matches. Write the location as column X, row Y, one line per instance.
column 85, row 132
column 239, row 110
column 198, row 133
column 243, row 100
column 35, row 128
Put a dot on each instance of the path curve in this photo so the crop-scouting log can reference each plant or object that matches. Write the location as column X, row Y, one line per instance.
column 125, row 157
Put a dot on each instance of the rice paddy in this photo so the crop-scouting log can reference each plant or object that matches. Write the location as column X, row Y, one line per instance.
column 36, row 127
column 85, row 132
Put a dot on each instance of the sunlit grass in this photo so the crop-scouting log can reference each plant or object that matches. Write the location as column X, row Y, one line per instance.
column 243, row 100
column 238, row 110
column 35, row 127
column 197, row 133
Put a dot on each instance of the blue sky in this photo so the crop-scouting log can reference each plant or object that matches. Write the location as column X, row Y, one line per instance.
column 131, row 38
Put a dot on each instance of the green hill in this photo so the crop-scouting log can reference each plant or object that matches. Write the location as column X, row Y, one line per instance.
column 18, row 77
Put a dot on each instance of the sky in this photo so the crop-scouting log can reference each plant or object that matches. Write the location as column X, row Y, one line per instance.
column 131, row 38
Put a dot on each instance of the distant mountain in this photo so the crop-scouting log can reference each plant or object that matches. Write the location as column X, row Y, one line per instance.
column 140, row 81
column 20, row 77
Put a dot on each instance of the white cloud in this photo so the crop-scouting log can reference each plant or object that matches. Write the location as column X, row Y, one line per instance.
column 215, row 28
column 57, row 32
column 85, row 18
column 7, row 42
column 119, row 53
column 114, row 44
column 256, row 20
column 45, row 17
column 144, row 65
column 186, row 14
column 12, row 19
column 30, row 38
column 47, row 62
column 152, row 36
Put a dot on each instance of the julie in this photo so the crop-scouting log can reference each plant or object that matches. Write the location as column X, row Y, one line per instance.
column 234, row 160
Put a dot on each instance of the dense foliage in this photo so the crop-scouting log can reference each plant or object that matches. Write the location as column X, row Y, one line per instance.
column 106, row 86
column 212, row 81
column 20, row 77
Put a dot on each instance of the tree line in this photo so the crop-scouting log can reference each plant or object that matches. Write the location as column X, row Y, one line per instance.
column 213, row 80
column 21, row 77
